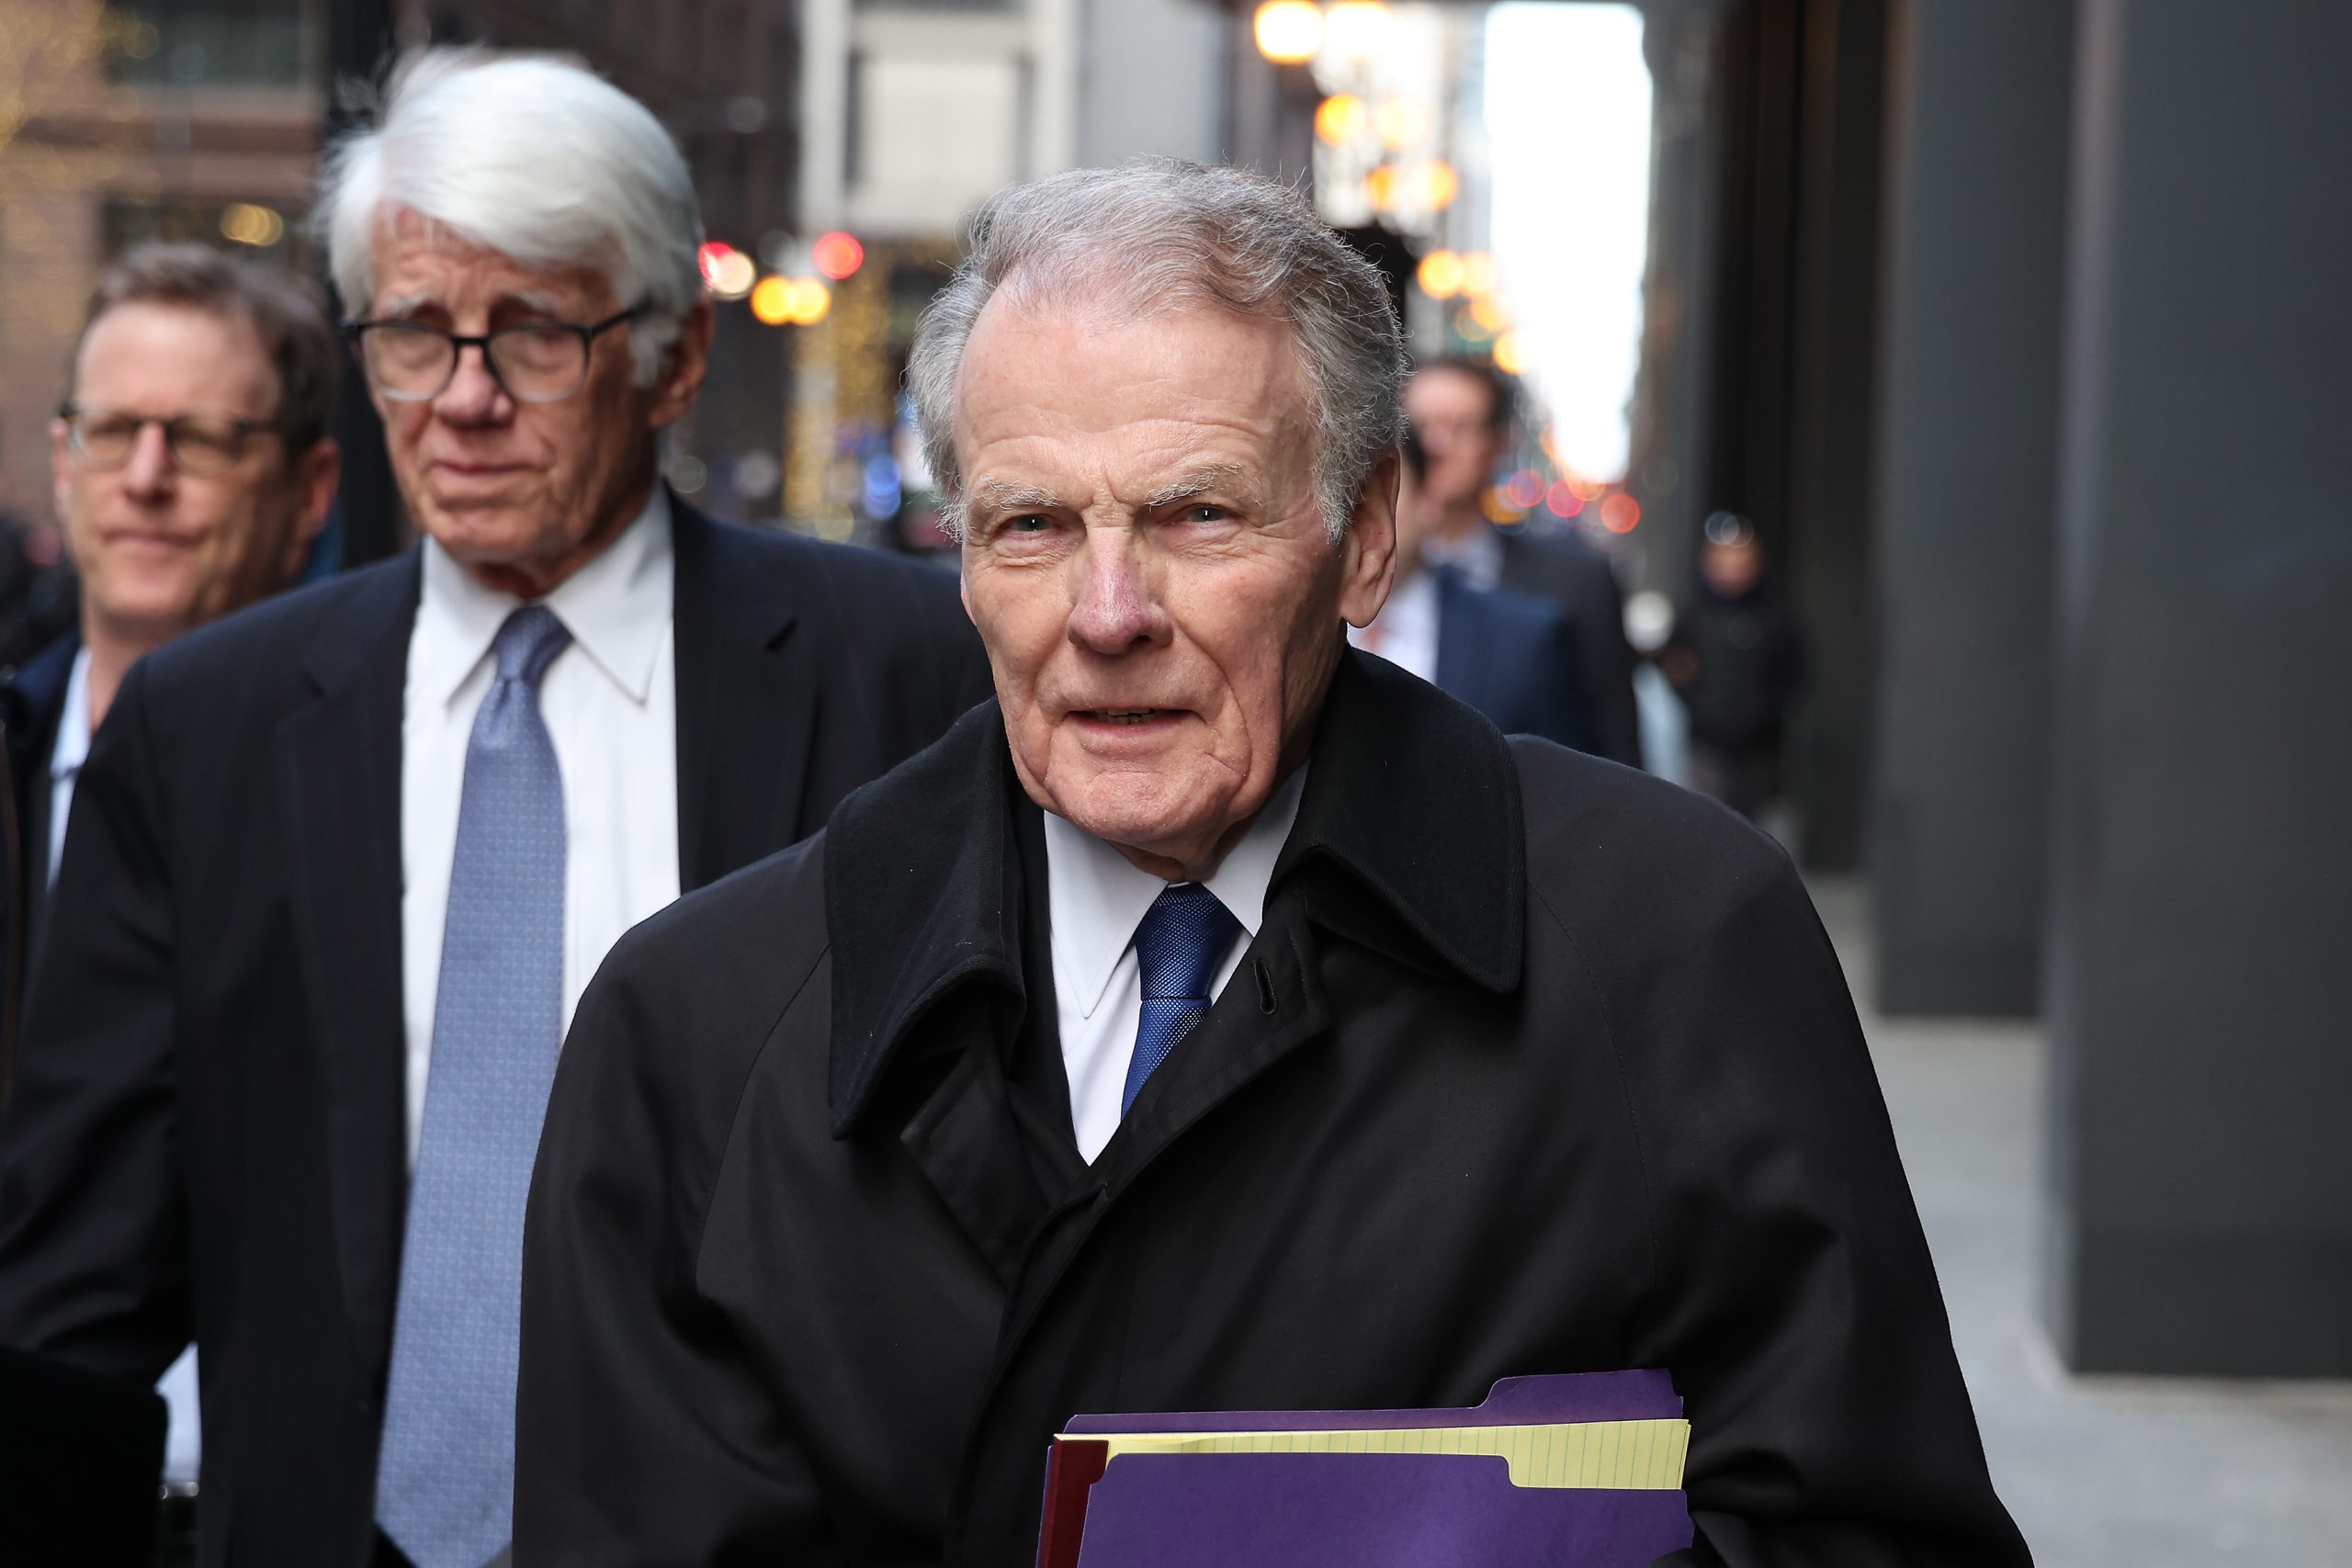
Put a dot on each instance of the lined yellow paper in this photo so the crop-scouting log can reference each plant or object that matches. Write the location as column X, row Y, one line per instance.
column 1633, row 1456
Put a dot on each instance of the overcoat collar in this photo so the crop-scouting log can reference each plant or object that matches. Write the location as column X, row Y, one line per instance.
column 1412, row 799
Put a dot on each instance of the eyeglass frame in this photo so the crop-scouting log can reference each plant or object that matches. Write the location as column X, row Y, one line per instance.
column 588, row 332
column 73, row 414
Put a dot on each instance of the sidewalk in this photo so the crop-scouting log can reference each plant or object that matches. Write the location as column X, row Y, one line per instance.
column 2105, row 1472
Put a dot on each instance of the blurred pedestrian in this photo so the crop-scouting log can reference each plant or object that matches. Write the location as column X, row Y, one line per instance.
column 1463, row 413
column 341, row 865
column 193, row 468
column 1512, row 656
column 1735, row 659
column 37, row 594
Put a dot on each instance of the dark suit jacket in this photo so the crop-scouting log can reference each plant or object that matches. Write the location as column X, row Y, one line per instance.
column 1563, row 569
column 208, row 1131
column 1536, row 1064
column 1513, row 658
column 31, row 702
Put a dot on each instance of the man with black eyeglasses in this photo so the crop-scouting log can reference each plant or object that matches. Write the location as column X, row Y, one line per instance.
column 342, row 864
column 192, row 471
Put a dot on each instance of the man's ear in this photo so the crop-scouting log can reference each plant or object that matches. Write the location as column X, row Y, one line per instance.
column 1368, row 566
column 684, row 364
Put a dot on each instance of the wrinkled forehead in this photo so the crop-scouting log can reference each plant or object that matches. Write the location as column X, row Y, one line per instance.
column 1063, row 382
column 422, row 260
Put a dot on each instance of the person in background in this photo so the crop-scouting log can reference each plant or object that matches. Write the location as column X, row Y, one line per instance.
column 1512, row 656
column 192, row 471
column 1463, row 411
column 341, row 864
column 1737, row 660
column 37, row 594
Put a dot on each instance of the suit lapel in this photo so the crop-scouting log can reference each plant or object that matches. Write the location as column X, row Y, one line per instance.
column 339, row 780
column 747, row 704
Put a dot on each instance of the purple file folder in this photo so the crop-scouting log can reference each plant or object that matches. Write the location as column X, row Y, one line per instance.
column 1645, row 1396
column 1320, row 1510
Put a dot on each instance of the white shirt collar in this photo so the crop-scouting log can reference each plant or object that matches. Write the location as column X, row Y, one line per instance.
column 1097, row 897
column 617, row 608
column 1478, row 554
column 72, row 746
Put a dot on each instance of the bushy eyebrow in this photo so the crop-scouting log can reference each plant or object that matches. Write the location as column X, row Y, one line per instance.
column 1023, row 498
column 537, row 300
column 1198, row 481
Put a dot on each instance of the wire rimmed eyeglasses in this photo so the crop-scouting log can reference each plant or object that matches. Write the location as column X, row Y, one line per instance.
column 204, row 444
column 533, row 362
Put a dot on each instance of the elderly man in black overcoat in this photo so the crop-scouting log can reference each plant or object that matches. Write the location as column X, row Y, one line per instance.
column 1219, row 1019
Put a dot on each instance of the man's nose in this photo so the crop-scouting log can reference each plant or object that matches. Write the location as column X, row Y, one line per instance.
column 473, row 395
column 1117, row 605
column 149, row 473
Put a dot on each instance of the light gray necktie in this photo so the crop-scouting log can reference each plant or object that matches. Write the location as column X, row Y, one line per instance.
column 445, row 1484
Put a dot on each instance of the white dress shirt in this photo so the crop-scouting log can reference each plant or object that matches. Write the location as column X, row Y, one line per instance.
column 610, row 702
column 67, row 755
column 1097, row 898
column 1404, row 632
column 181, row 1445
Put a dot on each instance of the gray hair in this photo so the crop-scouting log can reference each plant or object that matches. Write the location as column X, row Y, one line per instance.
column 530, row 155
column 1161, row 235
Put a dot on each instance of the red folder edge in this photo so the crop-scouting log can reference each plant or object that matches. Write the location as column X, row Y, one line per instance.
column 1072, row 1467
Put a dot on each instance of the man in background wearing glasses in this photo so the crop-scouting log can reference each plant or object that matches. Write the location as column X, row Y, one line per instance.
column 193, row 470
column 341, row 865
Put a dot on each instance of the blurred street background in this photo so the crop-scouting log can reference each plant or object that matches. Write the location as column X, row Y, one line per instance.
column 2012, row 335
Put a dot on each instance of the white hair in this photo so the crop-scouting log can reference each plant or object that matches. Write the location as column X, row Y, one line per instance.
column 1161, row 235
column 530, row 155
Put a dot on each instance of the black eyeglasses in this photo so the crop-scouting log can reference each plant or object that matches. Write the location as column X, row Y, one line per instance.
column 197, row 444
column 533, row 362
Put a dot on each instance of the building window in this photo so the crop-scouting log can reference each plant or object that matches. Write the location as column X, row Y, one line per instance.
column 248, row 228
column 214, row 43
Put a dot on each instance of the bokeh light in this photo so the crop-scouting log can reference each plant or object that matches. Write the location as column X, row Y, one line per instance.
column 1288, row 31
column 1510, row 359
column 243, row 223
column 837, row 255
column 1355, row 30
column 806, row 301
column 728, row 273
column 1435, row 184
column 771, row 300
column 1440, row 275
column 1621, row 514
column 1341, row 118
column 1402, row 123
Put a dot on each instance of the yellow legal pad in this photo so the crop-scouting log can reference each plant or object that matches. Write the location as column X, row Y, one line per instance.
column 1633, row 1456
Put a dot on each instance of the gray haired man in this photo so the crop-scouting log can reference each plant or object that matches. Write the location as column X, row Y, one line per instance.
column 1222, row 1020
column 339, row 866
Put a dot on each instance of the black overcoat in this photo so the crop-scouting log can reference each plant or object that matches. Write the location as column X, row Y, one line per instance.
column 1536, row 1064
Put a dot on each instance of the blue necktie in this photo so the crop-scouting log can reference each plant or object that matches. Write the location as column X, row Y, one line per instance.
column 1179, row 944
column 445, row 1484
